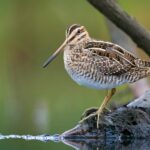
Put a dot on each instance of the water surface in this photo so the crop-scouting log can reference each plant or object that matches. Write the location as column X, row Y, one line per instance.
column 45, row 140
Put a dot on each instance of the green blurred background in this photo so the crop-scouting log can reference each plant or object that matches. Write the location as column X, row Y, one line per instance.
column 34, row 100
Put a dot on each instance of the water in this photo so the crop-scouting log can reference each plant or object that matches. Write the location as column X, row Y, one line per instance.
column 84, row 144
column 43, row 137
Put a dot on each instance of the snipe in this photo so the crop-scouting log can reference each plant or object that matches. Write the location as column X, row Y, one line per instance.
column 98, row 64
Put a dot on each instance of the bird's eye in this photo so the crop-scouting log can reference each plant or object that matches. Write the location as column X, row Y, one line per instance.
column 79, row 31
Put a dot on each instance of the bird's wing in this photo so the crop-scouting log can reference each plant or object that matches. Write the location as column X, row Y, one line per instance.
column 110, row 58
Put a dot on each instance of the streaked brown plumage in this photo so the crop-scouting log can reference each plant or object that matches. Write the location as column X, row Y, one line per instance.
column 98, row 64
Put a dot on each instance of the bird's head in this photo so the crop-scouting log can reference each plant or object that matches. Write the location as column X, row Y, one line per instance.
column 74, row 34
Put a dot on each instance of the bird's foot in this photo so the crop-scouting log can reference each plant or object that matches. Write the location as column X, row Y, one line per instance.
column 107, row 110
column 93, row 112
column 87, row 117
column 99, row 113
column 89, row 111
column 96, row 115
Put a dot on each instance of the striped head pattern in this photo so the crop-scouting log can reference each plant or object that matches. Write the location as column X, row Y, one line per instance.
column 76, row 33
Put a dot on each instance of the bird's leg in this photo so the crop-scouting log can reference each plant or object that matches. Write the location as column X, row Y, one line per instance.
column 105, row 101
column 101, row 108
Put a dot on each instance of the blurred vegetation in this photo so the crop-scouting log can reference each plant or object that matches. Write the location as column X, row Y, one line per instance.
column 36, row 100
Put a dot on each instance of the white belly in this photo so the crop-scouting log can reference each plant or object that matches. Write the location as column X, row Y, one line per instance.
column 95, row 85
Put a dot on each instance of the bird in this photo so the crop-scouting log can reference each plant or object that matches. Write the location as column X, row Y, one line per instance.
column 98, row 64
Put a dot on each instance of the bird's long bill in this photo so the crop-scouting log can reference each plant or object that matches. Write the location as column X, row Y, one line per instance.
column 54, row 55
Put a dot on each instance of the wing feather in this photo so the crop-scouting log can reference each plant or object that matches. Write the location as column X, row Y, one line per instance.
column 110, row 58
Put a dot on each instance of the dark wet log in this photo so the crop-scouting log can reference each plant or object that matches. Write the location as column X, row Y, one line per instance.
column 128, row 24
column 131, row 121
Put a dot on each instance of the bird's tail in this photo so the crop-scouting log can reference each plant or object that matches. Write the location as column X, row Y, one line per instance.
column 142, row 63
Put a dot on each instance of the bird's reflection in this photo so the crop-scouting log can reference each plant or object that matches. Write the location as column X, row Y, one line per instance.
column 93, row 144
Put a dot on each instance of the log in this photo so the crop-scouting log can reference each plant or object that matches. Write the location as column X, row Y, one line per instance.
column 131, row 121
